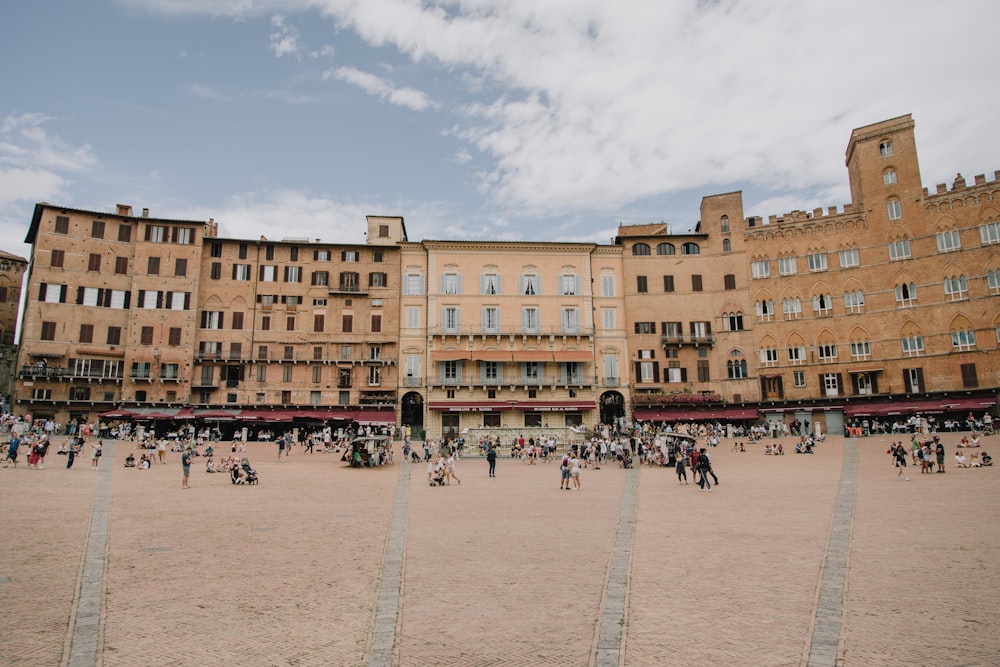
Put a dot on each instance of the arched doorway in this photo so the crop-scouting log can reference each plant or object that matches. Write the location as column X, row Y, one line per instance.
column 412, row 414
column 612, row 407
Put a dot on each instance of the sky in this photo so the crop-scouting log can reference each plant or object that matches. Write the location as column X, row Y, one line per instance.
column 542, row 120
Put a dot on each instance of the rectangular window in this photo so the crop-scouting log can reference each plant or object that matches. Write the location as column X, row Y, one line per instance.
column 969, row 377
column 895, row 210
column 569, row 285
column 320, row 278
column 153, row 266
column 645, row 327
column 62, row 224
column 817, row 261
column 769, row 356
column 491, row 320
column 848, row 258
column 570, row 320
column 376, row 324
column 450, row 320
column 799, row 378
column 413, row 284
column 861, row 349
column 696, row 285
column 989, row 234
column 530, row 321
column 963, row 340
column 293, row 274
column 319, row 322
column 529, row 285
column 760, row 269
column 450, row 283
column 114, row 335
column 607, row 285
column 268, row 273
column 703, row 371
column 378, row 279
column 241, row 272
column 640, row 284
column 949, row 241
column 347, row 323
column 797, row 355
column 787, row 266
column 412, row 317
column 265, row 323
column 146, row 336
column 286, row 373
column 174, row 337
column 156, row 234
column 889, row 177
column 48, row 330
column 290, row 323
column 97, row 229
column 827, row 352
column 180, row 267
column 211, row 319
column 489, row 284
column 608, row 318
column 349, row 256
column 86, row 333
column 913, row 346
column 899, row 250
column 121, row 266
column 94, row 262
column 183, row 235
column 668, row 283
column 57, row 258
column 854, row 302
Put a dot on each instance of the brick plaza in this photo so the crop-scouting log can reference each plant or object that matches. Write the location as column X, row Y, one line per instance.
column 325, row 565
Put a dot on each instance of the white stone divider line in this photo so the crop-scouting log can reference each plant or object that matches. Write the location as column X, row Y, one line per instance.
column 612, row 623
column 86, row 619
column 828, row 618
column 387, row 612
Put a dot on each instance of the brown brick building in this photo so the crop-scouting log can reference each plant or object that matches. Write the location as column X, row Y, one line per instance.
column 885, row 307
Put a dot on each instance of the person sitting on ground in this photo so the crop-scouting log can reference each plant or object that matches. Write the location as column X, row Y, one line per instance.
column 780, row 449
column 960, row 460
column 208, row 465
column 130, row 460
column 768, row 450
column 987, row 459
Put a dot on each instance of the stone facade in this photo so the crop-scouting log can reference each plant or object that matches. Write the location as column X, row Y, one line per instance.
column 887, row 305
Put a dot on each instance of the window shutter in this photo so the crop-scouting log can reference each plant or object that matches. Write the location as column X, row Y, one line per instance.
column 874, row 384
column 79, row 295
column 482, row 283
column 656, row 370
column 105, row 298
column 840, row 384
column 159, row 299
column 684, row 375
column 855, row 383
column 822, row 385
column 638, row 371
column 637, row 327
column 128, row 300
column 708, row 328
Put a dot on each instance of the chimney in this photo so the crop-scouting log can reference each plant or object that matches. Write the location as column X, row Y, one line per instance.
column 145, row 212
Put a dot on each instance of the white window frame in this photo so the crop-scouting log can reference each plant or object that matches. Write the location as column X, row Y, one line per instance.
column 963, row 340
column 491, row 319
column 854, row 302
column 826, row 352
column 956, row 288
column 788, row 266
column 889, row 177
column 569, row 319
column 949, row 241
column 765, row 310
column 607, row 285
column 798, row 379
column 913, row 346
column 849, row 257
column 899, row 250
column 791, row 307
column 412, row 317
column 609, row 317
column 817, row 262
column 989, row 233
column 797, row 355
column 760, row 268
column 769, row 356
column 531, row 320
column 451, row 321
column 894, row 209
column 861, row 349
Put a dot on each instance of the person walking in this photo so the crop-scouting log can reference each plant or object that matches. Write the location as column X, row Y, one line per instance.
column 186, row 466
column 939, row 452
column 161, row 451
column 450, row 469
column 12, row 447
column 564, row 472
column 71, row 454
column 95, row 456
column 574, row 471
column 681, row 466
column 704, row 467
column 899, row 452
column 281, row 447
column 491, row 458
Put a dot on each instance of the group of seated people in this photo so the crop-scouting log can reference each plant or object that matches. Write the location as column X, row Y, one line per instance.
column 967, row 442
column 739, row 446
column 143, row 463
column 975, row 460
column 777, row 450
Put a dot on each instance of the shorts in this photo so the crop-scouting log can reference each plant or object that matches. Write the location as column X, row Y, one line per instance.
column 565, row 473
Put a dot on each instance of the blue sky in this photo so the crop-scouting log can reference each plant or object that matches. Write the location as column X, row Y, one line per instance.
column 478, row 119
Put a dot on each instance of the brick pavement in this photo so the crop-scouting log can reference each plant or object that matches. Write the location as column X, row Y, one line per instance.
column 504, row 571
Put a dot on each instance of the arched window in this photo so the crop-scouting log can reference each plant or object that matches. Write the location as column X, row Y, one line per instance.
column 690, row 249
column 726, row 246
column 666, row 249
column 729, row 281
column 724, row 224
column 640, row 249
column 735, row 321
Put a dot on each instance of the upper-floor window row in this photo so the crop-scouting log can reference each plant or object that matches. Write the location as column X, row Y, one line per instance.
column 168, row 234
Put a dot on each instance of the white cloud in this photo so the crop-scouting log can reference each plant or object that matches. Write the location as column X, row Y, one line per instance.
column 34, row 164
column 207, row 92
column 285, row 40
column 376, row 85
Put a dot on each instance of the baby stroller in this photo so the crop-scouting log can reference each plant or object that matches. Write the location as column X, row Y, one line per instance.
column 243, row 473
column 437, row 479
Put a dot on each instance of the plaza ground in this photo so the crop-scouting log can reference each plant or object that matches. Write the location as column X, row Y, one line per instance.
column 502, row 571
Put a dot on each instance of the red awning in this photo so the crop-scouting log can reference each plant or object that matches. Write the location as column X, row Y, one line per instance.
column 532, row 355
column 927, row 406
column 694, row 414
column 573, row 355
column 470, row 406
column 491, row 355
column 553, row 406
column 450, row 355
